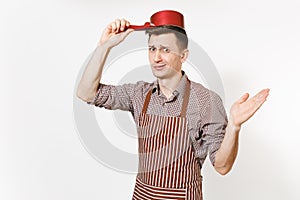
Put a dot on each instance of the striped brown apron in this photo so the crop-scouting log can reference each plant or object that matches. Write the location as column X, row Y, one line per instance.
column 168, row 168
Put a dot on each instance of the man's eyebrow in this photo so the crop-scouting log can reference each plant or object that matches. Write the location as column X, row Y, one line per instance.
column 161, row 46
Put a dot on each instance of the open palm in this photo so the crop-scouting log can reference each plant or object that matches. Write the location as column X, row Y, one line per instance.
column 244, row 108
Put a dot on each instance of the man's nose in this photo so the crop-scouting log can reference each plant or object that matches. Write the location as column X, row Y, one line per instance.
column 157, row 56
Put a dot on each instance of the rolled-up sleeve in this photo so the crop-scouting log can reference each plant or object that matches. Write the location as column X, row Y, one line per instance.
column 213, row 125
column 114, row 97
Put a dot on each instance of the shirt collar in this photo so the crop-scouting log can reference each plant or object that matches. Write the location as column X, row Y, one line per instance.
column 180, row 89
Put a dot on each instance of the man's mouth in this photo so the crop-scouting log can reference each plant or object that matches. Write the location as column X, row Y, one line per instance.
column 159, row 67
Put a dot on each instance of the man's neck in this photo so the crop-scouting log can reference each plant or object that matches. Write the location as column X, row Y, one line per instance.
column 167, row 86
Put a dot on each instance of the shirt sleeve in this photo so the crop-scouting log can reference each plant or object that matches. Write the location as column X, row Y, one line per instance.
column 114, row 97
column 212, row 128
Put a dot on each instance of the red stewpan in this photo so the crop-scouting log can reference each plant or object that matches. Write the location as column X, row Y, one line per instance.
column 161, row 18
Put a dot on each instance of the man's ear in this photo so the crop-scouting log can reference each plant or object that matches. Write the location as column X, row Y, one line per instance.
column 184, row 55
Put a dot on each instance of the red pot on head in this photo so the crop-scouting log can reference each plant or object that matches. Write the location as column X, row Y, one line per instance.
column 162, row 18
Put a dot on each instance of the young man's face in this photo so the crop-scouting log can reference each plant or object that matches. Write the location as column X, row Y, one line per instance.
column 164, row 55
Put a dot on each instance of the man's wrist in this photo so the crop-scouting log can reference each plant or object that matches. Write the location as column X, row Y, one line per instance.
column 105, row 48
column 233, row 126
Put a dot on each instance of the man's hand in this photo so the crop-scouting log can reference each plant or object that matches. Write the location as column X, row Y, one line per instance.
column 115, row 32
column 244, row 108
column 240, row 112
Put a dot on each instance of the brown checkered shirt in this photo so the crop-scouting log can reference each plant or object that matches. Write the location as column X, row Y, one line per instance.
column 206, row 115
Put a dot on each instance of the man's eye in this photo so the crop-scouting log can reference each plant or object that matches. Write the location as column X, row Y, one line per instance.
column 151, row 48
column 166, row 50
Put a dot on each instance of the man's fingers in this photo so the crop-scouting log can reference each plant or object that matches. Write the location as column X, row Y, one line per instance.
column 262, row 95
column 243, row 98
column 258, row 98
column 113, row 27
column 257, row 101
column 123, row 24
column 118, row 25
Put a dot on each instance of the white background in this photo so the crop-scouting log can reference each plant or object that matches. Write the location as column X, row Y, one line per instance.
column 254, row 44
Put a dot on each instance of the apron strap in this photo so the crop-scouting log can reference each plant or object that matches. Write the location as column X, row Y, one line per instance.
column 185, row 99
column 184, row 103
column 147, row 100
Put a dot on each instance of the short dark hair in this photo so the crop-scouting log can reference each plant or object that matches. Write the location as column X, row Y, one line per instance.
column 180, row 34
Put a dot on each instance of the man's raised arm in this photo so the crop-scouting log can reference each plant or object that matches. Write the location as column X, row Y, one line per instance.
column 112, row 35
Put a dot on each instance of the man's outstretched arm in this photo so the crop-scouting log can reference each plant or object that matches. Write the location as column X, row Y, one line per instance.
column 240, row 112
column 112, row 35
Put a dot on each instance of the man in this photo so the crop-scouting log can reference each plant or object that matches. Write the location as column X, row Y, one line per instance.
column 179, row 122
